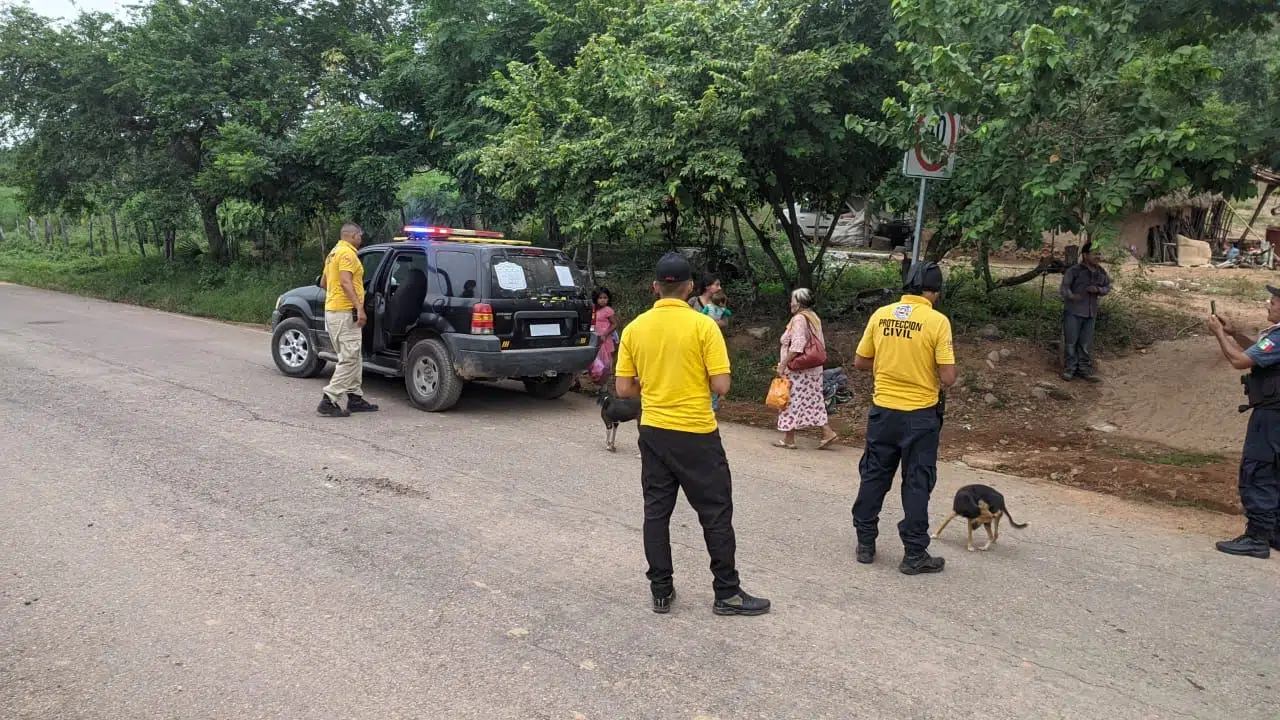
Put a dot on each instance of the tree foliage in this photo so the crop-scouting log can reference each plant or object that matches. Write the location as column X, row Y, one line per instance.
column 1074, row 114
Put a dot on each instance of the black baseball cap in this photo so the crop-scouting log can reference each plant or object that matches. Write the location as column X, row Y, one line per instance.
column 1273, row 290
column 673, row 268
column 923, row 276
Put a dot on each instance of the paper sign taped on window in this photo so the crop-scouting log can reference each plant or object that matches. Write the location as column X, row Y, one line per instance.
column 565, row 276
column 510, row 276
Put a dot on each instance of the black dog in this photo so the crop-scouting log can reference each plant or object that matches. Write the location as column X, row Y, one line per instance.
column 614, row 411
column 980, row 505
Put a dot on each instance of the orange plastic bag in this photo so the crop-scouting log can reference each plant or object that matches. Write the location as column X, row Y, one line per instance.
column 779, row 394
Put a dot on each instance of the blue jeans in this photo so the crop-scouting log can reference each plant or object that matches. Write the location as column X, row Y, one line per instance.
column 1077, row 336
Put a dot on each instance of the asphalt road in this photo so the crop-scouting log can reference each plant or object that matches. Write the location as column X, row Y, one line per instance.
column 181, row 537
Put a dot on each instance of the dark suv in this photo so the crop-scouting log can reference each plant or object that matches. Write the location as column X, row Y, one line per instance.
column 446, row 306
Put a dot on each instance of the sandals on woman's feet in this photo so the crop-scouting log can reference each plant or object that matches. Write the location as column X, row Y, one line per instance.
column 782, row 444
column 823, row 445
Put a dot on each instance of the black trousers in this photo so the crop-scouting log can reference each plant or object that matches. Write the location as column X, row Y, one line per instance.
column 1260, row 473
column 896, row 437
column 671, row 460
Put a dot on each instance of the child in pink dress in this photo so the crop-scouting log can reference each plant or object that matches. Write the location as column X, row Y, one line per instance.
column 606, row 330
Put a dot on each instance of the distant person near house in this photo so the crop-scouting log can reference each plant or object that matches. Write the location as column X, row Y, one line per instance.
column 1082, row 287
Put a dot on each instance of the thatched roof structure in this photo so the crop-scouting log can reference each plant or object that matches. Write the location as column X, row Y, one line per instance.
column 1184, row 198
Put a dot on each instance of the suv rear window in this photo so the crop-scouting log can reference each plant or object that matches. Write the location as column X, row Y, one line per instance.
column 515, row 275
column 455, row 274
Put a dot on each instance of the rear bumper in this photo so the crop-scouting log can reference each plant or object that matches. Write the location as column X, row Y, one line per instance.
column 477, row 357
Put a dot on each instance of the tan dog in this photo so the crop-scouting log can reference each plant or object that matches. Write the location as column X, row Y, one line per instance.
column 980, row 505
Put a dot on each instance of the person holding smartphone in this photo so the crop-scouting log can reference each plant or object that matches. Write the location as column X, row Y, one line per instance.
column 344, row 320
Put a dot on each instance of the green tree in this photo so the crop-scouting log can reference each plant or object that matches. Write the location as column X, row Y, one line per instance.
column 678, row 106
column 1076, row 114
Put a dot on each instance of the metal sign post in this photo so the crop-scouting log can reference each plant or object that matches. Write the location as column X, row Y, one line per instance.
column 945, row 127
column 915, row 244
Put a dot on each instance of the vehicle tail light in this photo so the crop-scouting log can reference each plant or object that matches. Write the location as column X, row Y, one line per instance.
column 482, row 319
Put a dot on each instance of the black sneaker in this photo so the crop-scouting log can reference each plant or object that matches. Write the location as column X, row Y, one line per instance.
column 1275, row 542
column 741, row 604
column 357, row 403
column 866, row 554
column 1092, row 379
column 662, row 605
column 329, row 409
column 1247, row 546
column 920, row 564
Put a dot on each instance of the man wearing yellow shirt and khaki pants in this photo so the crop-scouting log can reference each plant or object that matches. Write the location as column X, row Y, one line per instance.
column 344, row 320
column 673, row 357
column 907, row 346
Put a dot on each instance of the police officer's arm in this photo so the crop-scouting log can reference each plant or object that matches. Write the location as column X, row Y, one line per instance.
column 716, row 357
column 626, row 384
column 1231, row 349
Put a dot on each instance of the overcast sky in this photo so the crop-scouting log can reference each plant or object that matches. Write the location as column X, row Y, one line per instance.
column 71, row 8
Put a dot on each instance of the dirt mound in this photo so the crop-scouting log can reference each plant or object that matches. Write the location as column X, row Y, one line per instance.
column 1182, row 394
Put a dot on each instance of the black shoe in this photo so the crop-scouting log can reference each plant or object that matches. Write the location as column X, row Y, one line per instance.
column 866, row 554
column 741, row 604
column 922, row 563
column 1247, row 546
column 329, row 409
column 1068, row 376
column 357, row 403
column 1092, row 379
column 662, row 605
column 1275, row 542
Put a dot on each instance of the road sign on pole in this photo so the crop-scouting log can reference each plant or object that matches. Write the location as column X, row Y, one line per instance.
column 918, row 162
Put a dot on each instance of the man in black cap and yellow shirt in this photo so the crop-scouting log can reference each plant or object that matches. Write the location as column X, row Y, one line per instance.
column 907, row 346
column 1260, row 459
column 673, row 357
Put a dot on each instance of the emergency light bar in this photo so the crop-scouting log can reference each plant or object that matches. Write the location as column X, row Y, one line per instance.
column 456, row 235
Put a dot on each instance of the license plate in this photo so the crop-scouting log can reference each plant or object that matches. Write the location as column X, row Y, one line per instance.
column 544, row 330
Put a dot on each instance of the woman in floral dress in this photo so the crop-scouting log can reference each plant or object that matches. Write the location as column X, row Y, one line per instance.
column 807, row 407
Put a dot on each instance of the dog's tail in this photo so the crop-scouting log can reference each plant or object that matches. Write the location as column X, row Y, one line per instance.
column 1013, row 522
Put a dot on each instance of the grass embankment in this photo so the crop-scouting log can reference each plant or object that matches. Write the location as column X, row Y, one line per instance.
column 240, row 293
column 247, row 293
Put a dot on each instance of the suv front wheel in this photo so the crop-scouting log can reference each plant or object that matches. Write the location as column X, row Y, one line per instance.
column 430, row 378
column 294, row 349
column 549, row 388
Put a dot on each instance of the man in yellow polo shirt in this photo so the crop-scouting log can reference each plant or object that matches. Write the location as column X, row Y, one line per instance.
column 907, row 346
column 673, row 357
column 344, row 319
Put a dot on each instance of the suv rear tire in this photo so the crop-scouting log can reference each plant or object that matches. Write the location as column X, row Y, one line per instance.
column 293, row 347
column 430, row 378
column 549, row 388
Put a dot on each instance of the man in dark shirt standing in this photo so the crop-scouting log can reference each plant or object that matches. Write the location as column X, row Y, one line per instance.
column 1082, row 285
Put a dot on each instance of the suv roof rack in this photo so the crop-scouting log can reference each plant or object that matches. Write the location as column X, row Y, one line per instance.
column 429, row 233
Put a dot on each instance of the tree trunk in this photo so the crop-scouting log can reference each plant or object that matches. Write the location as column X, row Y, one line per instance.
column 170, row 243
column 142, row 238
column 62, row 230
column 212, row 232
column 115, row 233
column 324, row 239
column 746, row 259
column 91, row 235
column 766, row 244
column 48, row 231
column 2, row 238
column 31, row 230
column 942, row 243
column 1046, row 266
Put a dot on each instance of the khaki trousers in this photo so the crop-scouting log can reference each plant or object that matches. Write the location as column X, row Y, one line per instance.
column 347, row 338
